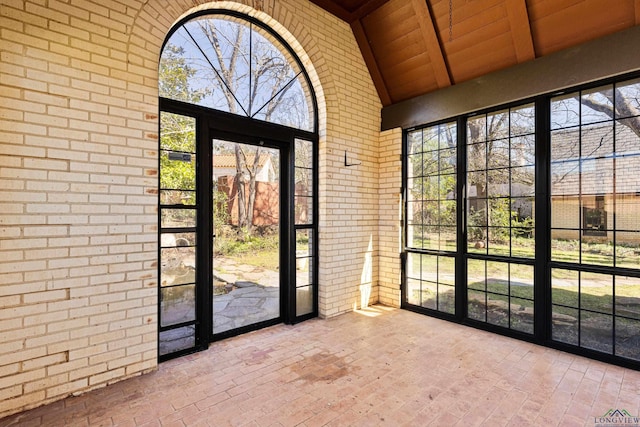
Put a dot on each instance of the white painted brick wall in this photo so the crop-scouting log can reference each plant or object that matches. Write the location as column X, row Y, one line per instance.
column 78, row 184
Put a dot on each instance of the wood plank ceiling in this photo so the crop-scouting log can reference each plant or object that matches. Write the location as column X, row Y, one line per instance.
column 413, row 47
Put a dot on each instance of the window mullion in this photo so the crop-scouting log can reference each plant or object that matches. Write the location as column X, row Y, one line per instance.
column 542, row 273
column 461, row 218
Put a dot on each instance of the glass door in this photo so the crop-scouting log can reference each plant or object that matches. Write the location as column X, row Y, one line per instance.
column 237, row 228
column 246, row 280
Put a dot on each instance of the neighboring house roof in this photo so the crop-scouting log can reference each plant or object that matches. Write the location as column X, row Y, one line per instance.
column 586, row 162
column 225, row 165
column 229, row 160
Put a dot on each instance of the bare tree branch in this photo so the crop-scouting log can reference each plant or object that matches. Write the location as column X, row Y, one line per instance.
column 623, row 108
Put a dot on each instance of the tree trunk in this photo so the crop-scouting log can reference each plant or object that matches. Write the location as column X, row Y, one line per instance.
column 253, row 171
column 240, row 187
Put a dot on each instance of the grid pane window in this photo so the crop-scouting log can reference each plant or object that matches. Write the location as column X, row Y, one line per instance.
column 501, row 293
column 574, row 270
column 432, row 204
column 431, row 280
column 500, row 217
column 303, row 182
column 177, row 311
column 594, row 218
column 594, row 180
column 585, row 312
column 501, row 183
column 431, row 211
column 303, row 207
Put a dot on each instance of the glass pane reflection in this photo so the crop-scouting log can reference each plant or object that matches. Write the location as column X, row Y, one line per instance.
column 177, row 305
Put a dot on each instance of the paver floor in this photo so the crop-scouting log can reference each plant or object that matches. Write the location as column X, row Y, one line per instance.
column 375, row 367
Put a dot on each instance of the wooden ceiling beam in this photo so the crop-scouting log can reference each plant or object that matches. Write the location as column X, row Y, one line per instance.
column 370, row 61
column 520, row 30
column 430, row 37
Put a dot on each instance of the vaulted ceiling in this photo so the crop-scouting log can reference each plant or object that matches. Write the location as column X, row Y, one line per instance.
column 413, row 47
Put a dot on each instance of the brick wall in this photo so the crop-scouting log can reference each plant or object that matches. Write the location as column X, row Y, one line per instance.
column 390, row 216
column 626, row 218
column 78, row 184
column 566, row 217
column 349, row 193
column 78, row 196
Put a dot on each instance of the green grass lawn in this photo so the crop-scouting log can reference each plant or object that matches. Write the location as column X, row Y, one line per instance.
column 501, row 293
column 266, row 258
column 506, row 281
column 260, row 251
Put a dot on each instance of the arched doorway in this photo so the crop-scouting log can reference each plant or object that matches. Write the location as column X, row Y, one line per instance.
column 238, row 182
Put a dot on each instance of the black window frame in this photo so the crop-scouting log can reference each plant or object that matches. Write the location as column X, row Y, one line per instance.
column 210, row 122
column 542, row 263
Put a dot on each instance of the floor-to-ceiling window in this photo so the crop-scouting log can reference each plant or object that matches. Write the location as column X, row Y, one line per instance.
column 595, row 219
column 548, row 203
column 431, row 217
column 500, row 212
column 238, row 182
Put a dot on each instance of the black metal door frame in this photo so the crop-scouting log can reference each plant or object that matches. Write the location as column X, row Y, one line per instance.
column 211, row 124
column 284, row 225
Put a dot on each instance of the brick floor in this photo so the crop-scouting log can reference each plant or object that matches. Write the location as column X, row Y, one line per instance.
column 378, row 367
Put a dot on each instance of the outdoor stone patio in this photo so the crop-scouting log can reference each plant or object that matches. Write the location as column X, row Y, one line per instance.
column 243, row 295
column 252, row 294
column 249, row 303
